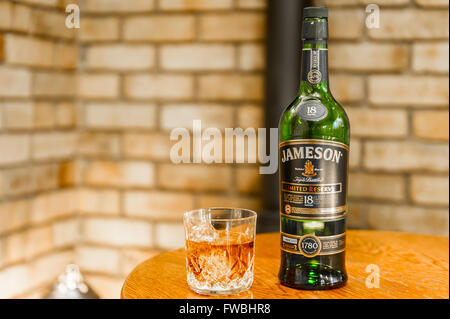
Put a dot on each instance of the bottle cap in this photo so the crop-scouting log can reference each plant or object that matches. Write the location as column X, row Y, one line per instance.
column 316, row 30
column 315, row 12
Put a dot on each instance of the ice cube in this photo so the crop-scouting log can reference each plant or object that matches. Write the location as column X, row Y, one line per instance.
column 203, row 232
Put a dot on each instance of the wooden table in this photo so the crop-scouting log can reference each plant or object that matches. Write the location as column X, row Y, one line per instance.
column 411, row 266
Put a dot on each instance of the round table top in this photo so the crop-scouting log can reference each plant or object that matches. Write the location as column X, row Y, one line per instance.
column 410, row 266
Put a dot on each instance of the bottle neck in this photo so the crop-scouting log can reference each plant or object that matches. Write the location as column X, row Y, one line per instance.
column 314, row 77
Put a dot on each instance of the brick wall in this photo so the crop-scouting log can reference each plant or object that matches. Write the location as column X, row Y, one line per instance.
column 132, row 72
column 393, row 82
column 85, row 118
column 39, row 226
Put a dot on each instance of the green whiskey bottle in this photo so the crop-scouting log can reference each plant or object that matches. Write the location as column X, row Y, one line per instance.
column 313, row 157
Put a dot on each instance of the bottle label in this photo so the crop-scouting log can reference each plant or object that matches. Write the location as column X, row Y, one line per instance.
column 315, row 65
column 313, row 179
column 312, row 246
column 313, row 190
column 312, row 110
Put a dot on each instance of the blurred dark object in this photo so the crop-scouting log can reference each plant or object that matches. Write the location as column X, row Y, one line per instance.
column 284, row 43
column 70, row 285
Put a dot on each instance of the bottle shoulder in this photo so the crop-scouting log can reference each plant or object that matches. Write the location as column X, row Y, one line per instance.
column 333, row 126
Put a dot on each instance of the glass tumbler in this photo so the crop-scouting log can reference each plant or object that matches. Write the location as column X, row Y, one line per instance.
column 220, row 250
